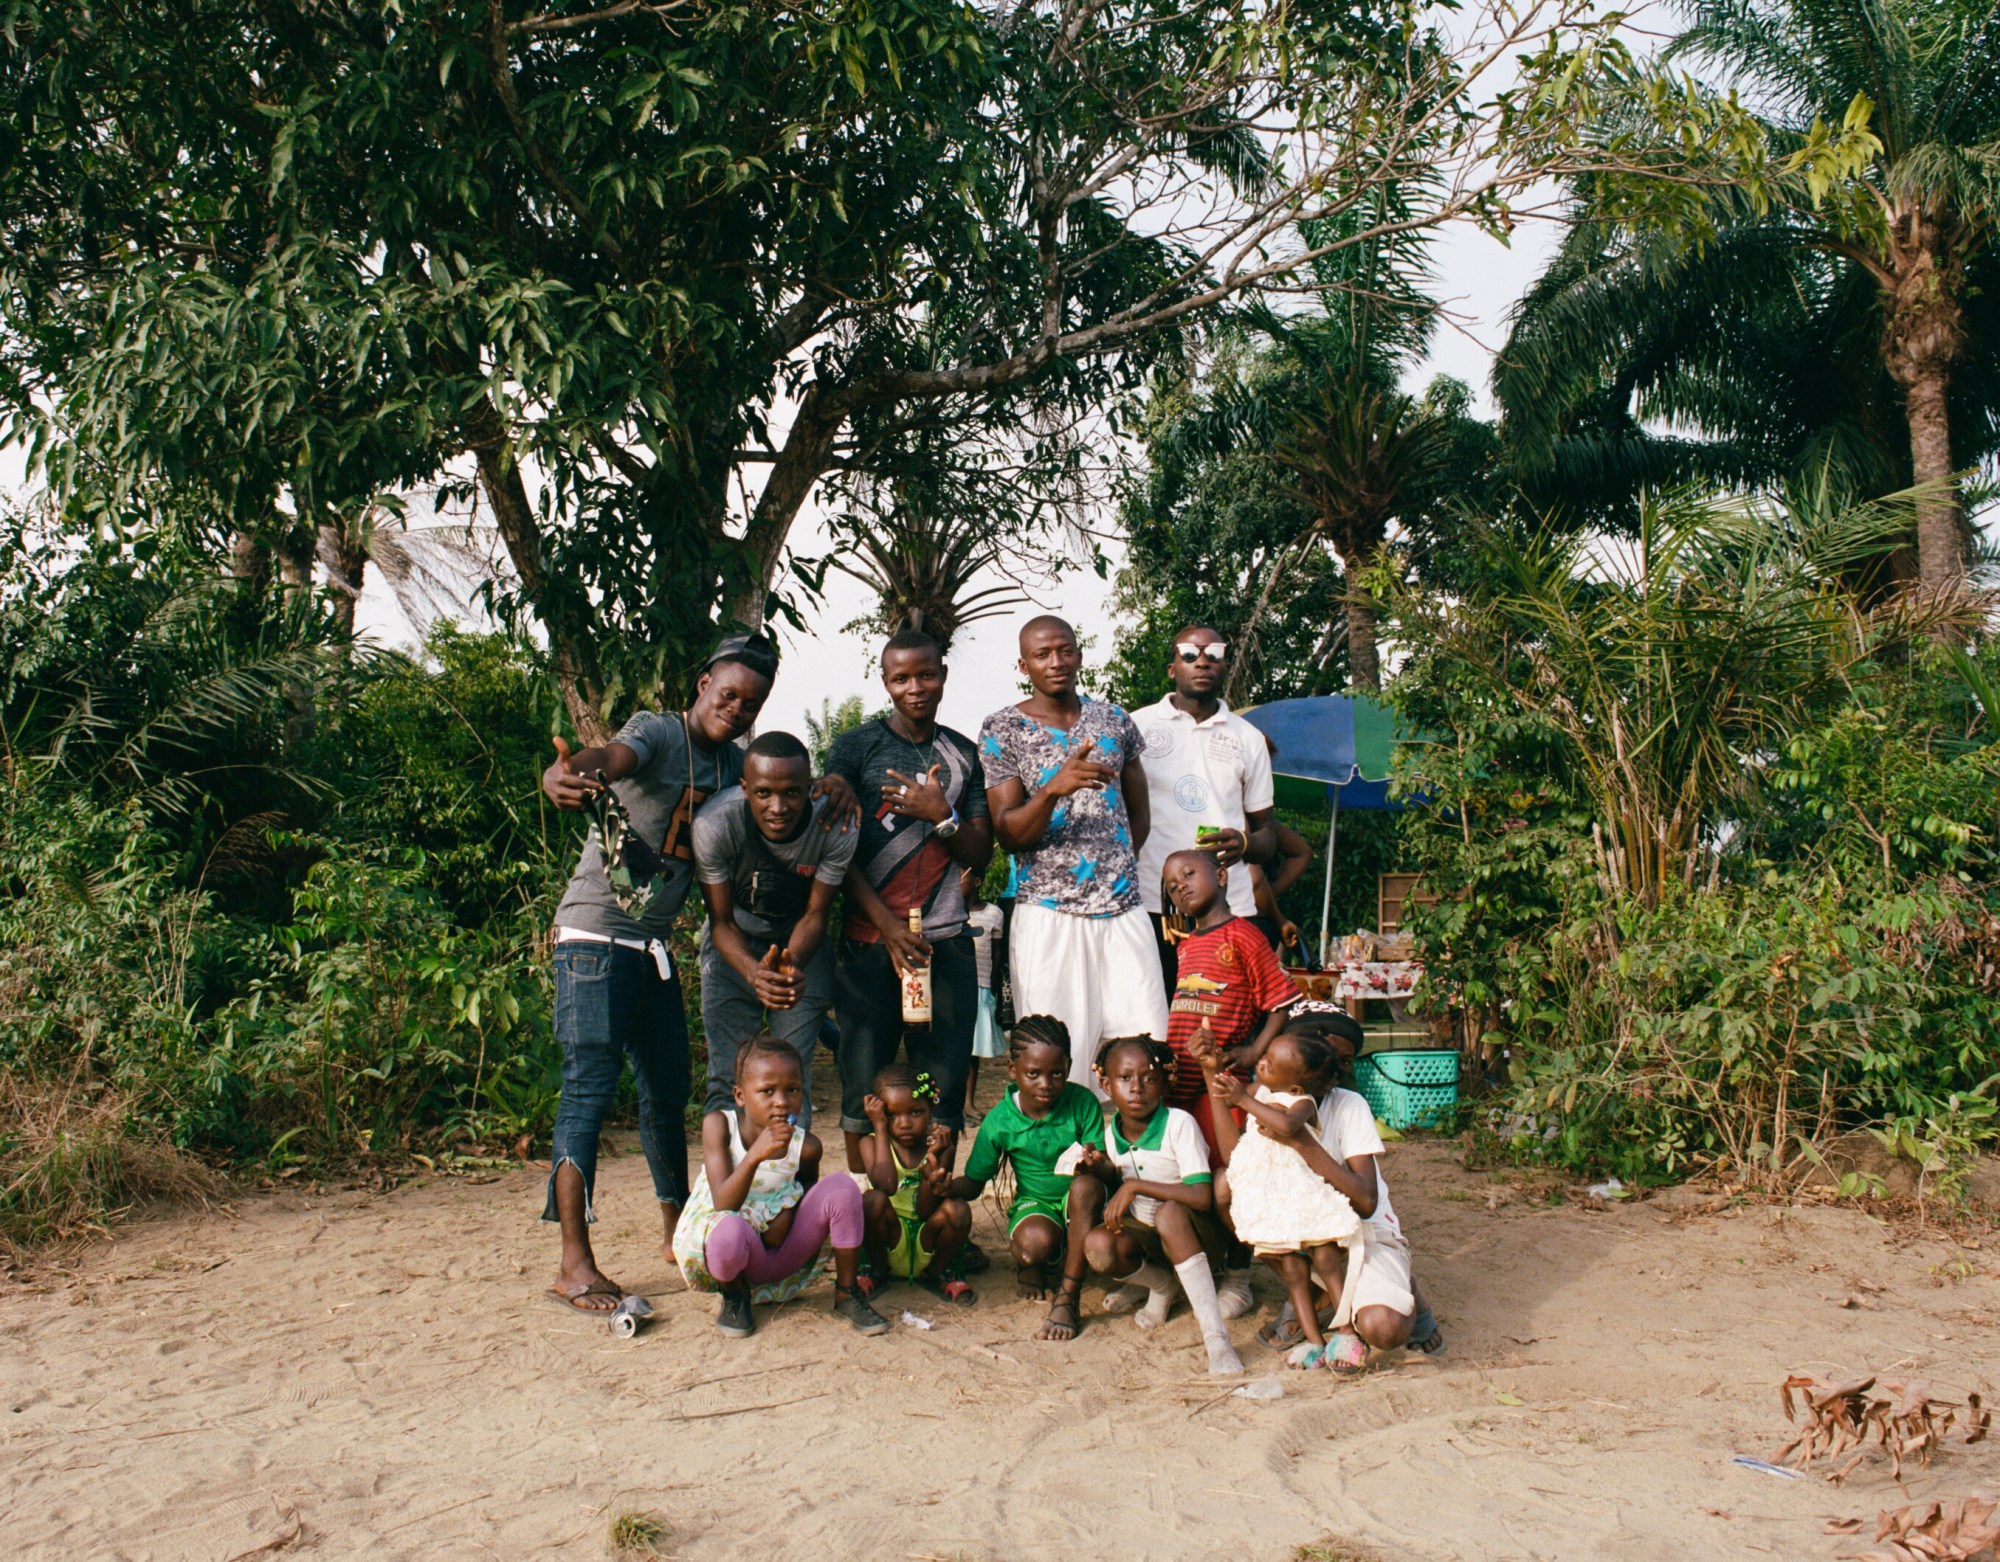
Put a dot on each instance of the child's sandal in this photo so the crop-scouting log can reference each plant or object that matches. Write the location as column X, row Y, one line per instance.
column 1304, row 1356
column 950, row 1289
column 1346, row 1354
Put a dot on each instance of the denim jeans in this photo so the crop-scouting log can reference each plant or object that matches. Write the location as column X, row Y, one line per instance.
column 731, row 1015
column 610, row 1005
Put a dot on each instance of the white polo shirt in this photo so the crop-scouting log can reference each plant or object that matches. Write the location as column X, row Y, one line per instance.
column 1170, row 1150
column 1214, row 772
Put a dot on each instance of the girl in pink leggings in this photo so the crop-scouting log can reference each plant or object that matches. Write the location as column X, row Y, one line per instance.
column 759, row 1213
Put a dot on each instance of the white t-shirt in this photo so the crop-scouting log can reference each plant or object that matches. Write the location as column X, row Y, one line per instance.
column 1170, row 1150
column 1347, row 1128
column 1215, row 772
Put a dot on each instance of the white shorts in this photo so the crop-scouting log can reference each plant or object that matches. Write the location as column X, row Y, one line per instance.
column 1384, row 1278
column 1099, row 975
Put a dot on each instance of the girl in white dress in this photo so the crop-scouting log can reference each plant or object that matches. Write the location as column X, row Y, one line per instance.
column 1291, row 1217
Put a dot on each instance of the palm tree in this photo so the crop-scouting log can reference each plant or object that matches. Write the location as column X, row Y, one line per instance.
column 922, row 556
column 1860, row 326
column 1359, row 457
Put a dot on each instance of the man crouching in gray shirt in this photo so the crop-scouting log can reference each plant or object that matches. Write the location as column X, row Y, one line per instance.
column 768, row 872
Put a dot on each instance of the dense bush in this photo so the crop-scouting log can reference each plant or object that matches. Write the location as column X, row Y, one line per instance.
column 266, row 894
column 1715, row 850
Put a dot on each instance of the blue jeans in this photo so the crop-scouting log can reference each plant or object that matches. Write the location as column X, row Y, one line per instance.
column 610, row 1005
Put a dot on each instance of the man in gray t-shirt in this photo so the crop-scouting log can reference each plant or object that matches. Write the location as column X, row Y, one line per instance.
column 768, row 872
column 672, row 776
column 616, row 994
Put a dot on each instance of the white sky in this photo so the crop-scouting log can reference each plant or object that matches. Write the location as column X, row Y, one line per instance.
column 1477, row 278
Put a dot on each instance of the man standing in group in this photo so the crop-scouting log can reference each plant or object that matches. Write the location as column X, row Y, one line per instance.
column 1067, row 790
column 930, row 823
column 769, row 869
column 1205, row 767
column 616, row 993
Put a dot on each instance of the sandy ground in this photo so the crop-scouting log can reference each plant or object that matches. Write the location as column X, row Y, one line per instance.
column 355, row 1375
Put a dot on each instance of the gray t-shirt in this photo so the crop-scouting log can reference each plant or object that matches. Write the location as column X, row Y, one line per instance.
column 724, row 852
column 661, row 796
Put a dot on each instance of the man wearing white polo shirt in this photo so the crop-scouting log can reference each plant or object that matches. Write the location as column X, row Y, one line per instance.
column 1207, row 770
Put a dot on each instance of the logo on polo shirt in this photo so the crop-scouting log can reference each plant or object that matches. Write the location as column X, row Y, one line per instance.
column 1191, row 792
column 1159, row 739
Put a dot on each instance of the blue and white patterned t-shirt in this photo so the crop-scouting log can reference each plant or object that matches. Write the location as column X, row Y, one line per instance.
column 1084, row 864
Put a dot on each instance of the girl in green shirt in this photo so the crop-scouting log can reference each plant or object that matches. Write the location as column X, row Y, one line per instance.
column 1034, row 1128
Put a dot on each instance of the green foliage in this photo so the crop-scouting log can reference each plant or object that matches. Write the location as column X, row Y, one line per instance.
column 1716, row 873
column 832, row 722
column 374, row 1022
column 445, row 756
column 1796, row 320
column 265, row 896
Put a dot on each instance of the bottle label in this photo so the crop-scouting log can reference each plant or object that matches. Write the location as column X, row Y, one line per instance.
column 917, row 996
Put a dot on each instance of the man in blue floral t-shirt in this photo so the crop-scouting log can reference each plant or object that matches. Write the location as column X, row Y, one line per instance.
column 1068, row 797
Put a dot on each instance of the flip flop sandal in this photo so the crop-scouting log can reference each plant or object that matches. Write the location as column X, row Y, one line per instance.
column 576, row 1299
column 1345, row 1354
column 950, row 1289
column 1304, row 1356
column 1283, row 1331
column 1425, row 1335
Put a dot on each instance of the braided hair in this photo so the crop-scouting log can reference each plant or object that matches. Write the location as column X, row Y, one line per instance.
column 901, row 1076
column 1038, row 1030
column 764, row 1045
column 1158, row 1053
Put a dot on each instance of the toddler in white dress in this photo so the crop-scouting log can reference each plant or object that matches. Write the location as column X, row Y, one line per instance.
column 1291, row 1217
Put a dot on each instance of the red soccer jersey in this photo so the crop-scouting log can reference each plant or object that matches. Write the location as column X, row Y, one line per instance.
column 1229, row 977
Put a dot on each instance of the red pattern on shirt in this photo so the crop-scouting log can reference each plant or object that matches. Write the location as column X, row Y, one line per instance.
column 1238, row 959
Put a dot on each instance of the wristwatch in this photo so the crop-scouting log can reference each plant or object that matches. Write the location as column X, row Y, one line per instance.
column 946, row 829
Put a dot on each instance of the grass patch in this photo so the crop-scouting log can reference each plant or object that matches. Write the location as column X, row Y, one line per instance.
column 1333, row 1549
column 71, row 1162
column 635, row 1535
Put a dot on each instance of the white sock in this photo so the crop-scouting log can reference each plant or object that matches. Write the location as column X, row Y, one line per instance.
column 1159, row 1287
column 1200, row 1287
column 1235, row 1293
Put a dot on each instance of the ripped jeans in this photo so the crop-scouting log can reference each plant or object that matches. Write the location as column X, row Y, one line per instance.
column 610, row 1005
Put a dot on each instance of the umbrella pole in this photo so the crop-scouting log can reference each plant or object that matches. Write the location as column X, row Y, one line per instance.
column 1326, row 896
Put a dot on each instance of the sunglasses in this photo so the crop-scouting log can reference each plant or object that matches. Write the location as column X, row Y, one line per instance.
column 1215, row 651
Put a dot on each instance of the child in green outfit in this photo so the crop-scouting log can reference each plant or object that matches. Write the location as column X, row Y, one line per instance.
column 915, row 1230
column 1033, row 1127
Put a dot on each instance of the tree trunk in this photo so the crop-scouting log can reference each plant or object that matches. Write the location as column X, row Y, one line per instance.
column 800, row 464
column 513, row 513
column 1923, row 336
column 249, row 560
column 1940, row 544
column 346, row 562
column 1364, row 661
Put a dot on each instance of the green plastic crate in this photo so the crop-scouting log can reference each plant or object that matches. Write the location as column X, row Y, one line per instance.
column 1409, row 1089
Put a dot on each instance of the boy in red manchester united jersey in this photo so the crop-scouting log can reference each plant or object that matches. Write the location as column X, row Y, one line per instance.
column 1228, row 980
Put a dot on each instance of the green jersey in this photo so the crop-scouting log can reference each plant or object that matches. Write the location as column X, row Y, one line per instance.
column 1035, row 1144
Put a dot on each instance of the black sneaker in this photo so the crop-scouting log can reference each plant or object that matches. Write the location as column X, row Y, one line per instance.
column 735, row 1321
column 851, row 1306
